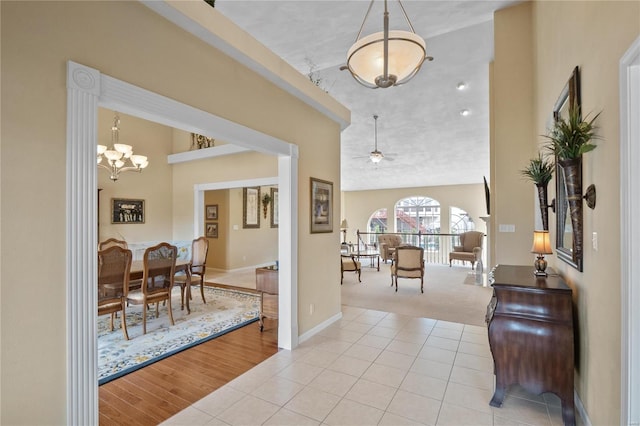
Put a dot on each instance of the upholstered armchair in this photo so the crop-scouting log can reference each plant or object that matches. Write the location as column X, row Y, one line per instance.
column 470, row 248
column 388, row 244
column 408, row 263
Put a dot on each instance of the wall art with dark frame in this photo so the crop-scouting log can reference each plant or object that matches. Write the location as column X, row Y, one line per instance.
column 251, row 207
column 211, row 212
column 124, row 210
column 211, row 230
column 321, row 206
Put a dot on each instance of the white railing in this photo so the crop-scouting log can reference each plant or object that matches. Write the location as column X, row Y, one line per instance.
column 436, row 246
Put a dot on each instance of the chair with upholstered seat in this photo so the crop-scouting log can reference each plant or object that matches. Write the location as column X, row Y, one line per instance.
column 469, row 249
column 348, row 263
column 387, row 244
column 159, row 267
column 408, row 262
column 197, row 267
column 114, row 265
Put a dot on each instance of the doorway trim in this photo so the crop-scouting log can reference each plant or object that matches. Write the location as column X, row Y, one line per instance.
column 88, row 89
column 630, row 234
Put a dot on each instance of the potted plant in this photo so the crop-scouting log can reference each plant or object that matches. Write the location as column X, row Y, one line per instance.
column 568, row 139
column 540, row 171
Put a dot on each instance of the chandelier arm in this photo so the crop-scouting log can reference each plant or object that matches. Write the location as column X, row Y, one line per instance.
column 404, row 12
column 364, row 20
column 130, row 169
column 104, row 166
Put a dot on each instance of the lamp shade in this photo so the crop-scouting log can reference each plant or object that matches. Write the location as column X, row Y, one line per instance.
column 343, row 224
column 365, row 59
column 541, row 243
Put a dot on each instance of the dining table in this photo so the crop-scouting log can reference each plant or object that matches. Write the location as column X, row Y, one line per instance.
column 182, row 265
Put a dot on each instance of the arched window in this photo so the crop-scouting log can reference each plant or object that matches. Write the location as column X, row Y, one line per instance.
column 460, row 221
column 418, row 214
column 378, row 221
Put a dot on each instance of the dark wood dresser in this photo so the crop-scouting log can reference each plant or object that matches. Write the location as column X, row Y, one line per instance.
column 267, row 285
column 530, row 323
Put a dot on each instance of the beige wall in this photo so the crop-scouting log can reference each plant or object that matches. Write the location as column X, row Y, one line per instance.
column 250, row 246
column 592, row 35
column 153, row 184
column 513, row 134
column 142, row 48
column 358, row 206
column 218, row 254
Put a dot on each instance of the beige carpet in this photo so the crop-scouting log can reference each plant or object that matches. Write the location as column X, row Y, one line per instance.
column 450, row 294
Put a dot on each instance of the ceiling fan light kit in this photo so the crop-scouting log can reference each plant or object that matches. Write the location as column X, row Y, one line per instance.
column 376, row 156
column 387, row 58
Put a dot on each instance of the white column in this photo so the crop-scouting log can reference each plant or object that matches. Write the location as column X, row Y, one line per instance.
column 83, row 89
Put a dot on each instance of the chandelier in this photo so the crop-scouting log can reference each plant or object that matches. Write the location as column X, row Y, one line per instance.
column 120, row 157
column 387, row 58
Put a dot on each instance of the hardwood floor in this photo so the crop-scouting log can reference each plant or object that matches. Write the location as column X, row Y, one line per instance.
column 156, row 392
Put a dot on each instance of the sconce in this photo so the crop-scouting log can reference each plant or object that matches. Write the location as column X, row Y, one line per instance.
column 590, row 196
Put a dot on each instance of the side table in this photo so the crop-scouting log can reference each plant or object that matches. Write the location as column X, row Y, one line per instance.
column 267, row 285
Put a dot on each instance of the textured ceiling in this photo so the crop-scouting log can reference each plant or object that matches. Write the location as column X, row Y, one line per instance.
column 424, row 138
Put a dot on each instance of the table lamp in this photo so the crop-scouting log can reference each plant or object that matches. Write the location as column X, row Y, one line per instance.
column 541, row 246
column 343, row 228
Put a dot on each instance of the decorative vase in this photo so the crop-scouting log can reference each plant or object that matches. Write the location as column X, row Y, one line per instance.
column 544, row 209
column 572, row 171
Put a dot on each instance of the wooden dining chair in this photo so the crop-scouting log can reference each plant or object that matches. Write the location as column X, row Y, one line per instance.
column 112, row 242
column 197, row 267
column 114, row 265
column 159, row 264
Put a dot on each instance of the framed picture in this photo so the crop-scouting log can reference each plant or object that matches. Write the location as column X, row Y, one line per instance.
column 251, row 207
column 211, row 230
column 212, row 212
column 321, row 206
column 274, row 207
column 127, row 211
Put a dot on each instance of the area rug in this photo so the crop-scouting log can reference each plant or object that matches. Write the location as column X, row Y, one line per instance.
column 224, row 311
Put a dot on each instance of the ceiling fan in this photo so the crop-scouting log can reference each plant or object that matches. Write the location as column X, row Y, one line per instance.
column 376, row 155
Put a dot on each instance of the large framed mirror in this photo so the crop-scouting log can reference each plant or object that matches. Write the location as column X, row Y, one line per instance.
column 568, row 235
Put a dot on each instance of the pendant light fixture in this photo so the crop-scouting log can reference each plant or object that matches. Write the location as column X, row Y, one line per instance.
column 116, row 157
column 387, row 58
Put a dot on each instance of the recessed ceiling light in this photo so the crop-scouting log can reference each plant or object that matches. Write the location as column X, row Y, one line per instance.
column 465, row 112
column 461, row 86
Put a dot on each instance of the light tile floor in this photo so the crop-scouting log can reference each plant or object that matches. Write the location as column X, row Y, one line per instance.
column 375, row 368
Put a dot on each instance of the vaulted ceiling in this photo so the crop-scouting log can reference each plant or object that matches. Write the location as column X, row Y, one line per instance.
column 421, row 132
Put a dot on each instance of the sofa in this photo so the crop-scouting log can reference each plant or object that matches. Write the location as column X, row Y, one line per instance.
column 388, row 244
column 470, row 248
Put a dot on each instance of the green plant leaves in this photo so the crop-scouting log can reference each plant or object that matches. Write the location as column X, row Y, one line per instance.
column 539, row 170
column 571, row 137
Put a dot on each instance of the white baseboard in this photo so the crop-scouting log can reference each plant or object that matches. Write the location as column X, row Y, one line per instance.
column 318, row 328
column 586, row 421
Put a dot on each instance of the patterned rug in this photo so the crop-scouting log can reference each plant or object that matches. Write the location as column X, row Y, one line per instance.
column 224, row 311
